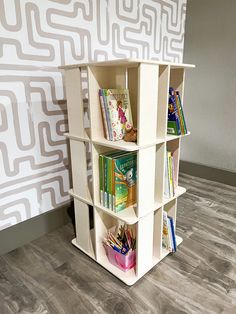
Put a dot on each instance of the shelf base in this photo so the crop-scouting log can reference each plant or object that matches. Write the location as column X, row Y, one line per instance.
column 129, row 277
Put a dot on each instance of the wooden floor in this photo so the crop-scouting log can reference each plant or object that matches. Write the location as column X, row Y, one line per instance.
column 49, row 275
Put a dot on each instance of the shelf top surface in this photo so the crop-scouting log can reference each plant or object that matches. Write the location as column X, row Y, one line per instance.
column 126, row 63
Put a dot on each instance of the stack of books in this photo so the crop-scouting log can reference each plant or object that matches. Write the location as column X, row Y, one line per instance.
column 168, row 234
column 170, row 180
column 116, row 113
column 117, row 177
column 176, row 122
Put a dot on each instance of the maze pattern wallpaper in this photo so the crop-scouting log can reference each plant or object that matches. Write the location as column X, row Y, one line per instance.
column 35, row 38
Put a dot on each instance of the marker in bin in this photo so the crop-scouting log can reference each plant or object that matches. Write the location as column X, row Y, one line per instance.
column 125, row 241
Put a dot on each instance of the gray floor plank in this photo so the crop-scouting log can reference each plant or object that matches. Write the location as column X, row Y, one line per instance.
column 49, row 275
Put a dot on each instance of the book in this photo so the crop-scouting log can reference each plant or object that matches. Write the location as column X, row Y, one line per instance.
column 167, row 181
column 125, row 177
column 173, row 125
column 104, row 114
column 119, row 116
column 166, row 240
column 181, row 113
column 110, row 176
column 173, row 236
column 170, row 173
column 101, row 177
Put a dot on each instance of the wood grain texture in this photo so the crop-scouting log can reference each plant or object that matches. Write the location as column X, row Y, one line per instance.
column 49, row 275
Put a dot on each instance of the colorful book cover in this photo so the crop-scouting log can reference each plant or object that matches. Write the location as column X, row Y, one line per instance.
column 110, row 176
column 174, row 247
column 119, row 111
column 166, row 241
column 104, row 114
column 125, row 170
column 106, row 175
column 173, row 125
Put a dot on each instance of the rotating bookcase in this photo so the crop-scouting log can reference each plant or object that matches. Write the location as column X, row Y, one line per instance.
column 148, row 83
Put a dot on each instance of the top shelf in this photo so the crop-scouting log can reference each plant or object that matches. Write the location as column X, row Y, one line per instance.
column 127, row 63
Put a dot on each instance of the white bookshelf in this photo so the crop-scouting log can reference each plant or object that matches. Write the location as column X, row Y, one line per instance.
column 148, row 83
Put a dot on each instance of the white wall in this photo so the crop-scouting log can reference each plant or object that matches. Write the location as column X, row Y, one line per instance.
column 210, row 94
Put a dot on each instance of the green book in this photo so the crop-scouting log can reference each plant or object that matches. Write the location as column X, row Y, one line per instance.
column 106, row 177
column 110, row 176
column 125, row 178
column 101, row 179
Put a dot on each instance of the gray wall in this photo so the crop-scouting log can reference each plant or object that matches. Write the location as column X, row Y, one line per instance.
column 210, row 94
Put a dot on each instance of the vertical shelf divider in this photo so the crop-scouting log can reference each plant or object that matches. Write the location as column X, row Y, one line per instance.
column 147, row 103
column 144, row 250
column 74, row 96
column 146, row 180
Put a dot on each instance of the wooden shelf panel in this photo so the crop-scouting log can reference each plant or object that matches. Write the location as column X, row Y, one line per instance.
column 179, row 191
column 87, row 200
column 121, row 145
column 129, row 62
column 170, row 137
column 84, row 138
column 127, row 215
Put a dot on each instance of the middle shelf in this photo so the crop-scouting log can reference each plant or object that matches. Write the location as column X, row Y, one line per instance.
column 150, row 177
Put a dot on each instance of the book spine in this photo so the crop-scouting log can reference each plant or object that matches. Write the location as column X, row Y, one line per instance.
column 113, row 185
column 170, row 174
column 173, row 175
column 105, row 203
column 179, row 113
column 173, row 236
column 104, row 91
column 103, row 114
column 109, row 182
column 101, row 174
column 182, row 113
column 171, row 243
column 167, row 182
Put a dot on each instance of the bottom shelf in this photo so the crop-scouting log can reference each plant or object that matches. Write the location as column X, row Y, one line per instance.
column 129, row 277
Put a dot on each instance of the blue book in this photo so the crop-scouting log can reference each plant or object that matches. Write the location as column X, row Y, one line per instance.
column 173, row 233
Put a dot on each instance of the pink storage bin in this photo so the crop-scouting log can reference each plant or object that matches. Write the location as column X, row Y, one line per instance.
column 124, row 262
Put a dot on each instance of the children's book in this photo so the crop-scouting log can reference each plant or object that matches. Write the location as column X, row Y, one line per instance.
column 125, row 177
column 104, row 114
column 119, row 116
column 166, row 237
column 173, row 125
column 181, row 113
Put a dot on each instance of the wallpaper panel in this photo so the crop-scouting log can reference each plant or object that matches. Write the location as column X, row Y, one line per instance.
column 35, row 38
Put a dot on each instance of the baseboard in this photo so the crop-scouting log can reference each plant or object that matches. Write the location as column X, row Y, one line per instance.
column 31, row 229
column 206, row 172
